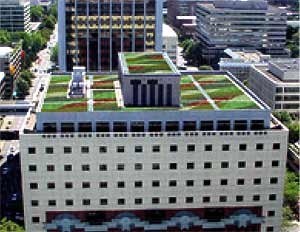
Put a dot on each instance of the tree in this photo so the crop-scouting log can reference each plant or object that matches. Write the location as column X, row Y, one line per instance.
column 291, row 189
column 5, row 37
column 36, row 13
column 205, row 67
column 9, row 226
column 49, row 22
column 294, row 132
column 283, row 117
column 54, row 54
column 287, row 215
column 27, row 76
column 22, row 88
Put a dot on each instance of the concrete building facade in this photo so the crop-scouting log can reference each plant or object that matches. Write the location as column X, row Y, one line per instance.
column 240, row 24
column 15, row 15
column 278, row 84
column 91, row 33
column 170, row 42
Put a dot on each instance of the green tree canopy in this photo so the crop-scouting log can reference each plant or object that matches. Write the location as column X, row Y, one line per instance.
column 22, row 88
column 9, row 226
column 54, row 54
column 5, row 37
column 36, row 13
column 291, row 189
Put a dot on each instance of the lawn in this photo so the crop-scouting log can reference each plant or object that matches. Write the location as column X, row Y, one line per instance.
column 65, row 106
column 105, row 77
column 99, row 95
column 103, row 84
column 105, row 105
column 60, row 79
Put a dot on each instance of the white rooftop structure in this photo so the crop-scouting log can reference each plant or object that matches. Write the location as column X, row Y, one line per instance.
column 2, row 75
column 168, row 31
column 5, row 51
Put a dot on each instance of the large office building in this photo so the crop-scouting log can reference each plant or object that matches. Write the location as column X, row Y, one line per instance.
column 10, row 65
column 240, row 24
column 15, row 15
column 277, row 84
column 152, row 149
column 91, row 33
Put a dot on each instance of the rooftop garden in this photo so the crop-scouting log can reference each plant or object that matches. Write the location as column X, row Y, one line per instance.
column 146, row 63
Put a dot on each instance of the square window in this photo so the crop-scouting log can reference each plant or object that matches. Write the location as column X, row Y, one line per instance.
column 31, row 150
column 138, row 166
column 120, row 149
column 239, row 198
column 86, row 202
column 50, row 168
column 258, row 164
column 190, row 147
column 189, row 125
column 273, row 180
column 224, row 164
column 172, row 183
column 206, row 199
column 259, row 146
column 103, row 201
column 49, row 150
column 33, row 186
column 256, row 198
column 172, row 126
column 51, row 185
column 240, row 181
column 138, row 201
column 86, row 185
column 103, row 184
column 35, row 220
column 207, row 125
column 155, row 200
column 120, row 167
column 223, row 198
column 173, row 166
column 138, row 184
column 68, row 185
column 243, row 147
column 138, row 149
column 190, row 165
column 34, row 203
column 121, row 201
column 207, row 165
column 155, row 166
column 102, row 167
column 67, row 150
column 155, row 148
column 207, row 147
column 173, row 148
column 189, row 200
column 272, row 197
column 155, row 183
column 85, row 149
column 121, row 184
column 225, row 147
column 275, row 163
column 32, row 168
column 189, row 183
column 206, row 182
column 68, row 167
column 102, row 149
column 276, row 146
column 154, row 126
column 52, row 203
column 172, row 200
column 241, row 164
column 69, row 202
column 271, row 213
column 102, row 126
column 85, row 167
column 223, row 182
column 270, row 228
column 257, row 181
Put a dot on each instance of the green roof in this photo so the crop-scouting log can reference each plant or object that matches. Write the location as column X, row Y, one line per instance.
column 198, row 92
column 146, row 63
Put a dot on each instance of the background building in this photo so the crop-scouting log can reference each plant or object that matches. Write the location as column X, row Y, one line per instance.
column 91, row 33
column 240, row 24
column 101, row 163
column 10, row 64
column 170, row 42
column 240, row 61
column 15, row 15
column 278, row 84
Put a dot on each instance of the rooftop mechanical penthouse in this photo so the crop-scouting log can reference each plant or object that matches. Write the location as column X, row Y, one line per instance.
column 152, row 149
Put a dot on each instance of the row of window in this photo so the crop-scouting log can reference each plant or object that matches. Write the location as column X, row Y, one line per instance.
column 155, row 148
column 157, row 200
column 155, row 166
column 157, row 183
column 154, row 126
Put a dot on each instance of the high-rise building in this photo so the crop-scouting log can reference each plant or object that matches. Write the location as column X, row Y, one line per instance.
column 152, row 149
column 240, row 24
column 15, row 15
column 91, row 33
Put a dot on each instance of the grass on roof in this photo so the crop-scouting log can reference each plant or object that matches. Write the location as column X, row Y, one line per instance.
column 103, row 95
column 105, row 106
column 60, row 79
column 150, row 63
column 65, row 106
